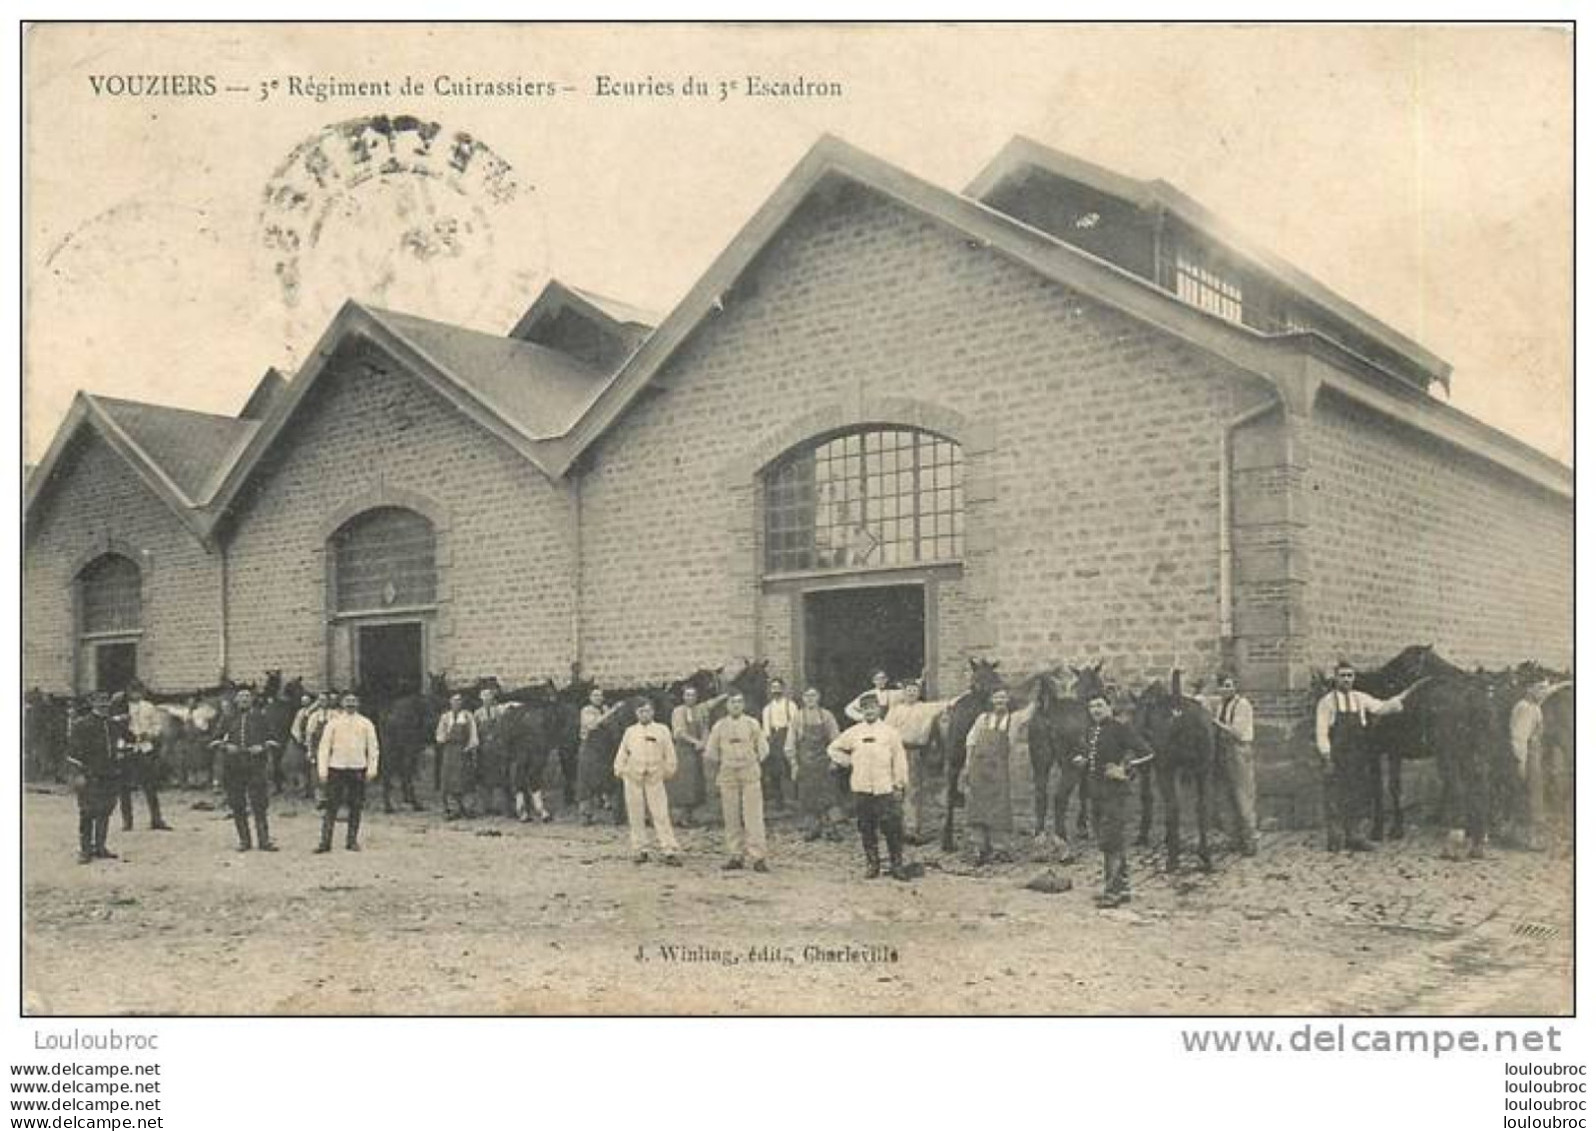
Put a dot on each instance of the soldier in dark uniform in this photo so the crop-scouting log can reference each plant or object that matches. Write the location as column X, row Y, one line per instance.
column 246, row 744
column 1113, row 751
column 97, row 743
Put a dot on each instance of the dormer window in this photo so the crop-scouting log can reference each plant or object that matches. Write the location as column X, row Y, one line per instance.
column 1206, row 286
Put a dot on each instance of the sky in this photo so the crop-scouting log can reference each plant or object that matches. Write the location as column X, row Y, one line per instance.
column 1424, row 173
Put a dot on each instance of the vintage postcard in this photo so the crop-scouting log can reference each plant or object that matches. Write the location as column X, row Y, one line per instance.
column 797, row 519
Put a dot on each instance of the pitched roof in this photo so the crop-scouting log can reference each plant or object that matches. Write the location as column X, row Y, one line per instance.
column 540, row 390
column 1250, row 350
column 189, row 447
column 178, row 454
column 267, row 389
column 1022, row 155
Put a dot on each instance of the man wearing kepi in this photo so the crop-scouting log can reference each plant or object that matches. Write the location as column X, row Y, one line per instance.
column 96, row 742
column 645, row 761
column 1341, row 724
column 346, row 759
column 737, row 746
column 246, row 768
column 880, row 775
column 1113, row 751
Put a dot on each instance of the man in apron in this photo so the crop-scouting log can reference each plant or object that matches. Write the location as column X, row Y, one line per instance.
column 457, row 750
column 1341, row 725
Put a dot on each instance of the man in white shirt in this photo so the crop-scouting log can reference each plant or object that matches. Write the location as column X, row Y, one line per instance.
column 885, row 696
column 1341, row 723
column 775, row 720
column 645, row 761
column 346, row 758
column 142, row 769
column 879, row 777
column 1524, row 732
column 1236, row 776
column 915, row 720
column 737, row 745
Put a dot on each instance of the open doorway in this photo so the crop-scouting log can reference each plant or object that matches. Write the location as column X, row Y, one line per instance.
column 390, row 661
column 848, row 633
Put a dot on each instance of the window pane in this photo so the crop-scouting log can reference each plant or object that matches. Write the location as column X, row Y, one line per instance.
column 385, row 557
column 867, row 498
column 110, row 594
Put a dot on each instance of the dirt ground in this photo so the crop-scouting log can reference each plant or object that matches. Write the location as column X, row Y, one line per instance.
column 495, row 917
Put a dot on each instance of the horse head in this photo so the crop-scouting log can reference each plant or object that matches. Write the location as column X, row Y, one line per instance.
column 984, row 677
column 1089, row 681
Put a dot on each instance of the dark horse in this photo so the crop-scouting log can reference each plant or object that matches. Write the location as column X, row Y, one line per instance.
column 1449, row 718
column 956, row 723
column 1181, row 732
column 1057, row 733
column 405, row 727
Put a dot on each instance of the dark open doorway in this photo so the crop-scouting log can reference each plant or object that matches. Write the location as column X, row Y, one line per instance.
column 390, row 661
column 115, row 666
column 848, row 633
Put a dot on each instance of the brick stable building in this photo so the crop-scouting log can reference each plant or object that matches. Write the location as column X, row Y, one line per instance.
column 1061, row 415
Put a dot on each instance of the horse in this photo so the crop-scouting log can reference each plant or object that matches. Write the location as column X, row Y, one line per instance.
column 1056, row 734
column 530, row 730
column 280, row 711
column 1181, row 732
column 44, row 734
column 405, row 727
column 954, row 728
column 752, row 682
column 1450, row 719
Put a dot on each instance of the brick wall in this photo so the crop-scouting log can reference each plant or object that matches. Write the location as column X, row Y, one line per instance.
column 1090, row 440
column 372, row 434
column 1414, row 542
column 99, row 503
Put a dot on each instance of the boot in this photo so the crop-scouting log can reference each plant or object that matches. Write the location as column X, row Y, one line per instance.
column 155, row 814
column 85, row 839
column 410, row 795
column 352, row 840
column 263, row 833
column 241, row 823
column 102, row 829
column 872, row 865
column 327, row 820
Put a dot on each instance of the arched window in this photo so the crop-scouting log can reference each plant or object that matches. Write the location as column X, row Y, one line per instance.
column 385, row 558
column 868, row 498
column 110, row 596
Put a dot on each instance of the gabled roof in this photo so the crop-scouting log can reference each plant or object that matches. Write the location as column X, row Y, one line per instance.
column 176, row 452
column 523, row 393
column 831, row 161
column 610, row 312
column 1022, row 155
column 271, row 384
column 538, row 390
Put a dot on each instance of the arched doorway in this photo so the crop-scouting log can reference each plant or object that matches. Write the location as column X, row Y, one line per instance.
column 384, row 588
column 860, row 525
column 110, row 606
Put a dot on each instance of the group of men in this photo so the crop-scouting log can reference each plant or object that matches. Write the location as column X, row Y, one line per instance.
column 111, row 755
column 876, row 768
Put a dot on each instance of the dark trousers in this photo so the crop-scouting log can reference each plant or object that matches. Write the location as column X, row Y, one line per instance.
column 246, row 779
column 880, row 813
column 345, row 788
column 96, row 800
column 776, row 771
column 1346, row 791
column 141, row 772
